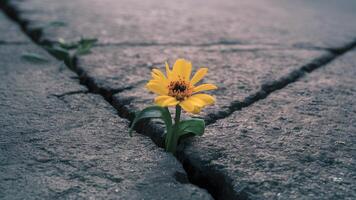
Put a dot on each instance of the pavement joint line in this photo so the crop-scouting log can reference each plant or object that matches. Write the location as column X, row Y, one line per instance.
column 94, row 88
column 272, row 46
column 266, row 89
column 269, row 88
column 36, row 37
column 264, row 92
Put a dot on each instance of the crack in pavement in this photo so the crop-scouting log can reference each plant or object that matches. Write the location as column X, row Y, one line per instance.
column 36, row 36
column 241, row 46
column 93, row 87
column 152, row 129
column 269, row 88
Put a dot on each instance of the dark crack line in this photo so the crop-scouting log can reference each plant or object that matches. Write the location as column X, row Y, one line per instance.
column 219, row 185
column 218, row 43
column 213, row 44
column 274, row 46
column 216, row 183
column 95, row 88
column 36, row 36
column 268, row 88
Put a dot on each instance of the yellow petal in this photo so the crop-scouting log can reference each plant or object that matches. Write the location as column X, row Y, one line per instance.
column 197, row 101
column 162, row 83
column 157, row 88
column 198, row 104
column 168, row 71
column 198, row 75
column 160, row 99
column 204, row 87
column 207, row 99
column 196, row 110
column 157, row 74
column 187, row 105
column 182, row 69
column 155, row 81
column 165, row 100
column 170, row 102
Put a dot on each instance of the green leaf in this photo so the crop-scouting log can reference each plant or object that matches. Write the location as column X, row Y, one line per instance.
column 84, row 45
column 88, row 40
column 195, row 126
column 84, row 49
column 33, row 57
column 59, row 53
column 153, row 112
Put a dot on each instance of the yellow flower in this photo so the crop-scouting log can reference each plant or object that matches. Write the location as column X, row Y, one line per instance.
column 178, row 89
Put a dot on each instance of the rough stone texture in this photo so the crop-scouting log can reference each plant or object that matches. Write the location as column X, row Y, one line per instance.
column 298, row 143
column 10, row 32
column 59, row 142
column 278, row 22
column 246, row 45
column 237, row 72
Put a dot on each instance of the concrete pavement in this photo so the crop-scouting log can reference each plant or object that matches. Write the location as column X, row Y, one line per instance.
column 282, row 127
column 58, row 141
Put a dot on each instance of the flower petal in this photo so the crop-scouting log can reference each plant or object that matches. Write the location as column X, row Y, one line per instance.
column 197, row 101
column 182, row 69
column 157, row 74
column 165, row 100
column 196, row 110
column 168, row 71
column 170, row 102
column 187, row 105
column 204, row 87
column 198, row 104
column 160, row 99
column 198, row 75
column 157, row 88
column 162, row 83
column 205, row 98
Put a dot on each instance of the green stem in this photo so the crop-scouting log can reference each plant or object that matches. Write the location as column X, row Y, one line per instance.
column 172, row 137
column 178, row 111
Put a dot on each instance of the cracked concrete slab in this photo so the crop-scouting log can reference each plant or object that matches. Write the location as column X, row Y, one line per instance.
column 288, row 23
column 238, row 74
column 240, row 68
column 59, row 142
column 10, row 32
column 298, row 143
column 259, row 45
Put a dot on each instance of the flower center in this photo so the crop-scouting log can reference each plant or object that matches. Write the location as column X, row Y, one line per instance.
column 179, row 89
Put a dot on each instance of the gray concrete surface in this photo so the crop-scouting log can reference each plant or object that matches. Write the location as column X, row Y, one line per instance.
column 59, row 142
column 279, row 130
column 317, row 23
column 10, row 32
column 255, row 43
column 299, row 143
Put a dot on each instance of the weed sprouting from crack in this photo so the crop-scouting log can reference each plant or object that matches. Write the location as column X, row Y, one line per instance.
column 68, row 51
column 64, row 51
